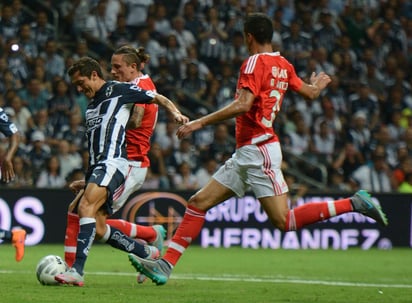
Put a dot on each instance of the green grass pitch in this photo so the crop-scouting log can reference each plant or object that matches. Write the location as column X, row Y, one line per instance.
column 221, row 275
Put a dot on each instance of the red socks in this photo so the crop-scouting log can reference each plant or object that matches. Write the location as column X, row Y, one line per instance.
column 147, row 233
column 192, row 224
column 70, row 240
column 187, row 231
column 315, row 212
column 125, row 227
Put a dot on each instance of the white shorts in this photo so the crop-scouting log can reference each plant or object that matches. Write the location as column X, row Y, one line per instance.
column 256, row 168
column 134, row 180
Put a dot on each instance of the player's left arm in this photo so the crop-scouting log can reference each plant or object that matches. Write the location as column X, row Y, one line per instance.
column 136, row 117
column 318, row 82
column 140, row 95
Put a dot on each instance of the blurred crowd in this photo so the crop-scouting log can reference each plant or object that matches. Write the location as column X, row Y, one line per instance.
column 357, row 134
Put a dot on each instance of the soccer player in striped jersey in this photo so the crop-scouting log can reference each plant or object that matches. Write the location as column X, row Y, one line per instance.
column 256, row 164
column 106, row 119
column 9, row 129
column 127, row 65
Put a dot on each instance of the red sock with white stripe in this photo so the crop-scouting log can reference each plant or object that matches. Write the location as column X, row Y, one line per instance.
column 70, row 239
column 132, row 230
column 187, row 231
column 314, row 212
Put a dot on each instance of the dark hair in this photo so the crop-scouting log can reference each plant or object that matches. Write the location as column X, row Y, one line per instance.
column 85, row 66
column 132, row 55
column 259, row 26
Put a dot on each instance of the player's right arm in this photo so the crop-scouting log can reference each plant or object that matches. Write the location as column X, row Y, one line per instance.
column 171, row 108
column 136, row 94
column 239, row 106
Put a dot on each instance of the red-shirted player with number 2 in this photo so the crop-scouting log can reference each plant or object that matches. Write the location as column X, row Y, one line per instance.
column 256, row 164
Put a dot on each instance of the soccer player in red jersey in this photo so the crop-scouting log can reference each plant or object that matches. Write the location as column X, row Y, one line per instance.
column 256, row 164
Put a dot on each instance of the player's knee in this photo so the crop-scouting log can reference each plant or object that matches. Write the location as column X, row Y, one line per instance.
column 86, row 208
column 193, row 201
column 199, row 202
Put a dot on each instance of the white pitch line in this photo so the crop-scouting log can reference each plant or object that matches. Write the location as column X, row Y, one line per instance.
column 239, row 278
column 236, row 278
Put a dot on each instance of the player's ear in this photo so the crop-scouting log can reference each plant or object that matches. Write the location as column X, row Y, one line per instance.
column 248, row 37
column 94, row 75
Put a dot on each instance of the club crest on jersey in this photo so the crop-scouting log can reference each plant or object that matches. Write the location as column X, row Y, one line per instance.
column 109, row 91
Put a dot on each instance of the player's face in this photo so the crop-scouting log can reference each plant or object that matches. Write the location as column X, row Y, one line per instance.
column 84, row 84
column 121, row 71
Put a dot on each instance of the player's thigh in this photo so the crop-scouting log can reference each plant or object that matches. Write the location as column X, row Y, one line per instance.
column 134, row 181
column 212, row 194
column 230, row 177
column 109, row 175
column 135, row 178
column 263, row 169
column 94, row 197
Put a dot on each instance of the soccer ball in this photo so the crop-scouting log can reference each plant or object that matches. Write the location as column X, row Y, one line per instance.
column 48, row 267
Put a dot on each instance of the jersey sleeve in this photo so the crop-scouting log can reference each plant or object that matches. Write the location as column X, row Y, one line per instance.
column 295, row 83
column 250, row 75
column 131, row 93
column 146, row 84
column 7, row 127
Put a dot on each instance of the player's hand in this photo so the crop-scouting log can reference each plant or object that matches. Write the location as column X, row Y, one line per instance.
column 180, row 119
column 7, row 171
column 77, row 186
column 186, row 129
column 320, row 80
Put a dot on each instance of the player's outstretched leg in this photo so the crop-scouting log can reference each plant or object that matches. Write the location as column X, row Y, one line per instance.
column 362, row 203
column 17, row 239
column 160, row 236
column 157, row 270
column 158, row 242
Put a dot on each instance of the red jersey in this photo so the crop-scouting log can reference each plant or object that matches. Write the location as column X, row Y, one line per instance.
column 267, row 76
column 138, row 139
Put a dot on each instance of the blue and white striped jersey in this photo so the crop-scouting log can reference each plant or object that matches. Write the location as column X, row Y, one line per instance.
column 7, row 127
column 106, row 118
